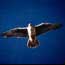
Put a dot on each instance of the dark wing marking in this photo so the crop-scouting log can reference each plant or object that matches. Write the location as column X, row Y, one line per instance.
column 16, row 32
column 45, row 27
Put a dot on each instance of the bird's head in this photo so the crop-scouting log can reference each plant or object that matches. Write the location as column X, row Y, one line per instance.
column 29, row 24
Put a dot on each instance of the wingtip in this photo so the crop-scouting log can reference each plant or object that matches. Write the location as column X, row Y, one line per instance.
column 2, row 34
column 56, row 26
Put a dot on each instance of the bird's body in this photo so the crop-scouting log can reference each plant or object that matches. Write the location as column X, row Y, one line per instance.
column 31, row 32
column 32, row 41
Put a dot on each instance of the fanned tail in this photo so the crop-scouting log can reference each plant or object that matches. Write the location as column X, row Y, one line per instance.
column 32, row 44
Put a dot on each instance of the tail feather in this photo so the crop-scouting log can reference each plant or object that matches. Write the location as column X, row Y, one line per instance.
column 32, row 44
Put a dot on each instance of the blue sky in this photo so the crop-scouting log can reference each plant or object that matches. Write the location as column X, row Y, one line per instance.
column 15, row 13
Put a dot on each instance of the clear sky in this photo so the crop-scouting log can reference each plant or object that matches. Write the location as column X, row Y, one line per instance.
column 15, row 13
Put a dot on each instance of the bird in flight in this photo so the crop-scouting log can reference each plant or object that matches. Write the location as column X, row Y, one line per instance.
column 31, row 32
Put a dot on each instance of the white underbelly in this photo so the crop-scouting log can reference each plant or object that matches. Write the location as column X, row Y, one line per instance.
column 31, row 32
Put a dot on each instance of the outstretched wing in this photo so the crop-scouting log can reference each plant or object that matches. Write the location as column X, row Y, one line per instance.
column 45, row 27
column 16, row 32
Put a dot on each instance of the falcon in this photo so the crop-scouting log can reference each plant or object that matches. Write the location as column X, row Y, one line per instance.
column 31, row 32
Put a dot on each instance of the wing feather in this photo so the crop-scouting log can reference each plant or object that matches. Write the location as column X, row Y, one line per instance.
column 20, row 32
column 45, row 27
